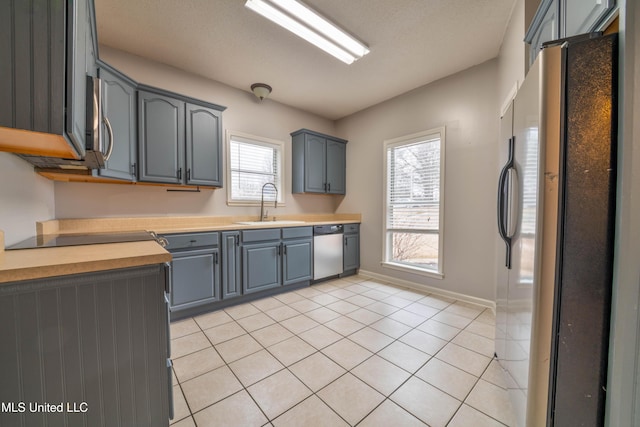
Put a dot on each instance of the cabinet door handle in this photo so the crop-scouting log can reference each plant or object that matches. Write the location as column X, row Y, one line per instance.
column 346, row 242
column 285, row 249
column 179, row 173
column 134, row 169
column 110, row 130
column 329, row 187
column 215, row 258
column 237, row 240
column 324, row 186
column 188, row 174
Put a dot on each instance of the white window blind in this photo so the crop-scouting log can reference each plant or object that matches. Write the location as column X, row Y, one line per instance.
column 413, row 204
column 253, row 163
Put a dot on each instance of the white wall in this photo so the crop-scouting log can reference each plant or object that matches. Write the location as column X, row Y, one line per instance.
column 467, row 105
column 244, row 113
column 24, row 199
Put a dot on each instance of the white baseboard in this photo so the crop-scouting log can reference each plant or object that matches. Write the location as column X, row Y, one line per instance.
column 424, row 288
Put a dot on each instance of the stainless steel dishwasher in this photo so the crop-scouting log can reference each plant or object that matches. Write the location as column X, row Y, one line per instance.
column 327, row 250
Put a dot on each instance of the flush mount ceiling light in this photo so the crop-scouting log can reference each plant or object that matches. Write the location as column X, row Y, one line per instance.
column 307, row 24
column 261, row 90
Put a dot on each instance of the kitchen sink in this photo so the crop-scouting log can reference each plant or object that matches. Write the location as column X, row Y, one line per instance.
column 281, row 222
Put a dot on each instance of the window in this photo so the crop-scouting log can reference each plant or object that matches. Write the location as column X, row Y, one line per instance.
column 252, row 162
column 414, row 166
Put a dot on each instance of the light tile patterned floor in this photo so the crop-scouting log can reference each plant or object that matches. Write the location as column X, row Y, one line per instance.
column 346, row 352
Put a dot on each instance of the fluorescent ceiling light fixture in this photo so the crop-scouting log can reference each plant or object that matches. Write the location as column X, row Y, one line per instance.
column 307, row 24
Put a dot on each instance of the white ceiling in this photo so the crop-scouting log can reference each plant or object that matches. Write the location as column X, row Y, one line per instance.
column 412, row 42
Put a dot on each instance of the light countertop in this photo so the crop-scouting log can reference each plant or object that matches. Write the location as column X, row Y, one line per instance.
column 26, row 264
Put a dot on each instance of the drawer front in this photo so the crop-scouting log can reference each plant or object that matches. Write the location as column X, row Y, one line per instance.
column 296, row 232
column 260, row 235
column 191, row 240
column 351, row 228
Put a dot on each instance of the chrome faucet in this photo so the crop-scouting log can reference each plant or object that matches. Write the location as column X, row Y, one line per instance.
column 263, row 215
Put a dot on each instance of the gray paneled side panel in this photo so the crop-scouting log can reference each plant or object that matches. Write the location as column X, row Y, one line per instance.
column 107, row 345
column 204, row 146
column 161, row 143
column 119, row 107
column 297, row 164
column 41, row 71
column 10, row 387
column 336, row 167
column 260, row 267
column 57, row 68
column 297, row 261
column 141, row 373
column 23, row 65
column 50, row 330
column 30, row 348
column 156, row 345
column 88, row 324
column 6, row 66
column 123, row 351
column 71, row 352
column 315, row 153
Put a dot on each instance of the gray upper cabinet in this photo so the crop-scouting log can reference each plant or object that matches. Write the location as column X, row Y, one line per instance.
column 556, row 19
column 584, row 16
column 319, row 163
column 161, row 141
column 203, row 143
column 180, row 142
column 47, row 50
column 119, row 108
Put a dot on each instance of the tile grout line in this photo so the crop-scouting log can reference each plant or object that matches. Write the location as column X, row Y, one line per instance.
column 364, row 325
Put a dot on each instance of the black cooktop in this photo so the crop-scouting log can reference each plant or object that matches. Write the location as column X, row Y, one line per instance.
column 56, row 240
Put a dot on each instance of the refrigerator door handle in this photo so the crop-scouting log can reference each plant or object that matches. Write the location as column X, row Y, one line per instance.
column 512, row 203
column 503, row 203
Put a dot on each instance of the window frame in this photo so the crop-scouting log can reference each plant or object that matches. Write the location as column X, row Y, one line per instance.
column 387, row 241
column 278, row 145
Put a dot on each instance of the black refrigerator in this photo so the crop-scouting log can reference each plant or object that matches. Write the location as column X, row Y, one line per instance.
column 556, row 208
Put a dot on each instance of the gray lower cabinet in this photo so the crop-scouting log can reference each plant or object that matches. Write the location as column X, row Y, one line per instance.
column 318, row 163
column 180, row 142
column 231, row 265
column 119, row 109
column 297, row 255
column 97, row 343
column 195, row 269
column 351, row 252
column 261, row 260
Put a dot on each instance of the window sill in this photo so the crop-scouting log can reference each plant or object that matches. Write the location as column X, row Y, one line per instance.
column 414, row 270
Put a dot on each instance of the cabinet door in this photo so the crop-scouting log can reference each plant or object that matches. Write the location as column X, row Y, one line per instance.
column 583, row 16
column 261, row 266
column 315, row 153
column 119, row 108
column 547, row 30
column 195, row 278
column 204, row 146
column 297, row 261
column 336, row 163
column 161, row 130
column 351, row 252
column 231, row 266
column 76, row 91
